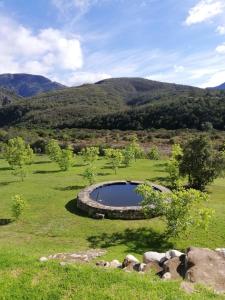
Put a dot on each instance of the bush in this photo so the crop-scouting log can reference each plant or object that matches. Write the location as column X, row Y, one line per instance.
column 153, row 153
column 182, row 210
column 18, row 206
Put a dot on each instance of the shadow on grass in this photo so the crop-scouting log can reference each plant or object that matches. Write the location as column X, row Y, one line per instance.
column 162, row 180
column 137, row 240
column 104, row 174
column 47, row 172
column 5, row 183
column 42, row 162
column 4, row 222
column 71, row 207
column 5, row 169
column 70, row 188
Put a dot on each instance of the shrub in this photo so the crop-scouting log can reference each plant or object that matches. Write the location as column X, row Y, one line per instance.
column 18, row 206
column 182, row 210
column 153, row 153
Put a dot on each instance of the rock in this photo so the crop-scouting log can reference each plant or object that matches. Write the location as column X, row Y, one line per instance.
column 115, row 264
column 99, row 216
column 166, row 276
column 105, row 264
column 131, row 266
column 221, row 250
column 141, row 267
column 207, row 267
column 154, row 267
column 129, row 259
column 176, row 267
column 43, row 259
column 63, row 263
column 173, row 253
column 153, row 256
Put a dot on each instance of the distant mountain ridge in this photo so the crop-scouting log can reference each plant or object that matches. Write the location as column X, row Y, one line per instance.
column 220, row 87
column 28, row 85
column 119, row 103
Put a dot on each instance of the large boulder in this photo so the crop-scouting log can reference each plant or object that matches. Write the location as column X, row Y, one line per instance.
column 154, row 256
column 153, row 267
column 206, row 267
column 176, row 266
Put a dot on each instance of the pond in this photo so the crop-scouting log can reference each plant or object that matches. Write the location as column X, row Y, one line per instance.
column 120, row 194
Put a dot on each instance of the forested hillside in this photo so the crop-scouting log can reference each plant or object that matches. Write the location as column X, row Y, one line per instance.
column 121, row 103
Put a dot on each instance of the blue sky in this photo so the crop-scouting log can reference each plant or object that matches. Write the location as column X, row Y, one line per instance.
column 80, row 41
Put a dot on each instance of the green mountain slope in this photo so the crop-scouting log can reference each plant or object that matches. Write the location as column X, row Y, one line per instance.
column 123, row 103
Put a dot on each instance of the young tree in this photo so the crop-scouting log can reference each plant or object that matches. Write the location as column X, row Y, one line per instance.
column 18, row 155
column 136, row 148
column 153, row 153
column 90, row 154
column 89, row 174
column 115, row 157
column 53, row 150
column 182, row 210
column 200, row 162
column 18, row 206
column 128, row 155
column 66, row 159
column 172, row 167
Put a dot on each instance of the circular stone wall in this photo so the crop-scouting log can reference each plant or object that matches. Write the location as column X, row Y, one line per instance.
column 94, row 208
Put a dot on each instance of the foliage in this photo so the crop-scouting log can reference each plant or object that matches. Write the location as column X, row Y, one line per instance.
column 136, row 148
column 182, row 210
column 66, row 159
column 201, row 163
column 89, row 174
column 128, row 155
column 53, row 150
column 63, row 157
column 172, row 167
column 18, row 155
column 90, row 154
column 115, row 157
column 154, row 153
column 18, row 206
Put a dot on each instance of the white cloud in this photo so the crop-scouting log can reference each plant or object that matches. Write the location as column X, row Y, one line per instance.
column 47, row 52
column 81, row 6
column 204, row 10
column 221, row 48
column 220, row 30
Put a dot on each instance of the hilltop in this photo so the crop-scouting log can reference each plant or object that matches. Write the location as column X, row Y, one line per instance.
column 119, row 103
column 27, row 85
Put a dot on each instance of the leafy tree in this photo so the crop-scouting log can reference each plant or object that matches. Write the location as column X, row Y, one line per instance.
column 18, row 206
column 128, row 155
column 54, row 151
column 182, row 210
column 89, row 174
column 18, row 155
column 172, row 167
column 200, row 162
column 136, row 148
column 90, row 154
column 115, row 157
column 153, row 153
column 66, row 159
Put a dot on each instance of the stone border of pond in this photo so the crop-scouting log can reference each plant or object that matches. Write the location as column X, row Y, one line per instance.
column 97, row 210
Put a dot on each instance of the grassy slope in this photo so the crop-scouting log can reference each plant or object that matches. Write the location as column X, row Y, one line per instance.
column 52, row 224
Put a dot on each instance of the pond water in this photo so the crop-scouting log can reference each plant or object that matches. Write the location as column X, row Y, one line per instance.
column 117, row 195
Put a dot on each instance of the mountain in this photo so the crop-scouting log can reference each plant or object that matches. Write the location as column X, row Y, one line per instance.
column 7, row 97
column 27, row 85
column 119, row 103
column 220, row 87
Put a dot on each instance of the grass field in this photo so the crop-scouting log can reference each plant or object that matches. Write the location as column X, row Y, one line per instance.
column 52, row 224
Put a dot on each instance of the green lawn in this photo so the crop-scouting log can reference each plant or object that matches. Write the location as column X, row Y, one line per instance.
column 52, row 224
